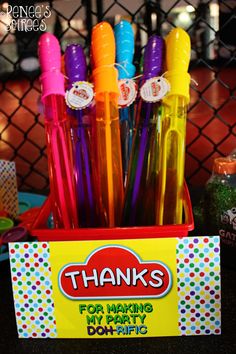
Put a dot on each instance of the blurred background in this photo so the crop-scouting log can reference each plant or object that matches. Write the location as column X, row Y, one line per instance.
column 211, row 127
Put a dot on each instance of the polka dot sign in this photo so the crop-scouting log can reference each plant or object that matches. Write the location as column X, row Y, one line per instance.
column 198, row 273
column 198, row 282
column 32, row 287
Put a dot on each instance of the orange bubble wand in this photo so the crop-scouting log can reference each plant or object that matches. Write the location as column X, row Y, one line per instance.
column 109, row 162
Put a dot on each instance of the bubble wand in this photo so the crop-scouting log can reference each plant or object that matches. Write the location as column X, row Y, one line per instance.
column 64, row 206
column 124, row 37
column 75, row 67
column 108, row 146
column 170, row 191
column 147, row 112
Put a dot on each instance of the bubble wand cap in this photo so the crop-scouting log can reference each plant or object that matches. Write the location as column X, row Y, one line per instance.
column 75, row 63
column 51, row 78
column 105, row 75
column 124, row 37
column 178, row 51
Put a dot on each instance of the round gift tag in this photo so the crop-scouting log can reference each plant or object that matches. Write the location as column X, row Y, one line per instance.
column 80, row 95
column 128, row 92
column 154, row 89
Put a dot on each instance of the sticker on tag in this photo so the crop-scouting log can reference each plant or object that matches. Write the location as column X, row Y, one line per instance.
column 155, row 89
column 80, row 95
column 128, row 92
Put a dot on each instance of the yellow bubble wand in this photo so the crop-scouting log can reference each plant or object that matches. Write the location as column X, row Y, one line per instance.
column 169, row 206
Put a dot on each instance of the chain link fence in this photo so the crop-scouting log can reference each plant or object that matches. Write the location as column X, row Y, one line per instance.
column 211, row 128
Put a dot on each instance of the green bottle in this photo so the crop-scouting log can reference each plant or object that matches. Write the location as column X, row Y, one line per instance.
column 220, row 207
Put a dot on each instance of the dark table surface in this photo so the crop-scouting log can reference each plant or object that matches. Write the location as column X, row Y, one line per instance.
column 224, row 343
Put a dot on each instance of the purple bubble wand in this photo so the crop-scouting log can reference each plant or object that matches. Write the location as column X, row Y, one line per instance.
column 152, row 67
column 75, row 65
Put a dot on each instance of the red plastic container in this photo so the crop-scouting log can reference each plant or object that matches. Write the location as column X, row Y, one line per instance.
column 39, row 230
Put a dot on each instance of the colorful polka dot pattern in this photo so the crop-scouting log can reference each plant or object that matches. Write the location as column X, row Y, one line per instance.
column 198, row 273
column 32, row 287
column 198, row 276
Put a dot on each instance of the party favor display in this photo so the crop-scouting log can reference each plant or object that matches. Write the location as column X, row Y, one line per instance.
column 117, row 263
column 116, row 138
column 126, row 288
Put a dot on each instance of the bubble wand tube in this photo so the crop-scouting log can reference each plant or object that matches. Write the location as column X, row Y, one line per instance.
column 124, row 37
column 148, row 111
column 108, row 146
column 75, row 66
column 170, row 191
column 64, row 207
